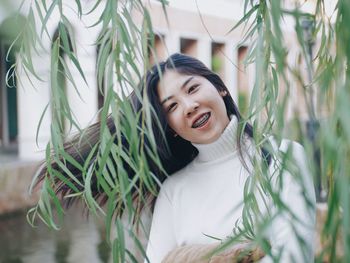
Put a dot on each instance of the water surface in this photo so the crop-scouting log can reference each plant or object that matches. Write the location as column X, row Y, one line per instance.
column 79, row 240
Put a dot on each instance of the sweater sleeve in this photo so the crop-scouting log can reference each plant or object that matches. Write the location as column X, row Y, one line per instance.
column 292, row 234
column 162, row 236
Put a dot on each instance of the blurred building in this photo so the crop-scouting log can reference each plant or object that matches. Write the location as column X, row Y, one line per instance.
column 198, row 28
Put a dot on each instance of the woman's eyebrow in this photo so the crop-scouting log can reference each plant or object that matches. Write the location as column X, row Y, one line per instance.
column 182, row 87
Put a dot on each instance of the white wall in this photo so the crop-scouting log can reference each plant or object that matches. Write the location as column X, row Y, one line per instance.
column 34, row 95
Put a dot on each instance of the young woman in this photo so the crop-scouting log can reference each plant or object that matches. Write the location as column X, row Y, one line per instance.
column 206, row 157
column 203, row 201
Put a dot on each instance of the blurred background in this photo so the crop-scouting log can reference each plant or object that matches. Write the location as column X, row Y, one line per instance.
column 199, row 28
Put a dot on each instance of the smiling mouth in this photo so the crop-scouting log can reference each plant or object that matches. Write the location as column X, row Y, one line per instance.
column 201, row 121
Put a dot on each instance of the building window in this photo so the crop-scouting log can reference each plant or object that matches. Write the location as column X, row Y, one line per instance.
column 188, row 47
column 101, row 85
column 218, row 59
column 59, row 100
column 8, row 97
column 9, row 30
column 159, row 52
column 242, row 80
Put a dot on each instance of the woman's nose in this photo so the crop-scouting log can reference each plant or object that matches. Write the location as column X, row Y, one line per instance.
column 190, row 107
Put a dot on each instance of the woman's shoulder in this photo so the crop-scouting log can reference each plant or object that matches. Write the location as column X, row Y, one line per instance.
column 285, row 145
column 177, row 179
column 292, row 150
column 296, row 150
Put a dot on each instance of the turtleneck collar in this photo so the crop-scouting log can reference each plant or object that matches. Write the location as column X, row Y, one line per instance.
column 223, row 146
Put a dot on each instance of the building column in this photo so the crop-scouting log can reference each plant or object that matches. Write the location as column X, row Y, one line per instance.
column 33, row 98
column 83, row 106
column 204, row 51
column 231, row 69
column 172, row 42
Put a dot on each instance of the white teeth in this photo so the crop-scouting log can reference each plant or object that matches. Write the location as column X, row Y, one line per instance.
column 201, row 121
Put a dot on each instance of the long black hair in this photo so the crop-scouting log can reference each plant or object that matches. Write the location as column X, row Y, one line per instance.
column 174, row 153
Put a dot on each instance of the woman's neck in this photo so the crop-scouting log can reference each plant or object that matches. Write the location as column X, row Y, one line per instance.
column 226, row 144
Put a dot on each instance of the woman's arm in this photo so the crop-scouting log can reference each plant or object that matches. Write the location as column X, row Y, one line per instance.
column 162, row 235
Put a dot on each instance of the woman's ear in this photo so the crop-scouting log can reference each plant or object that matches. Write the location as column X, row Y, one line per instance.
column 223, row 93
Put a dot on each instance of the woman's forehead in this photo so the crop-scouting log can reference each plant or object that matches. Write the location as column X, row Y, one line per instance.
column 172, row 82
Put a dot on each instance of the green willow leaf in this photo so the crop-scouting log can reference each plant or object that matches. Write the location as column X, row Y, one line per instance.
column 277, row 80
column 245, row 18
column 47, row 16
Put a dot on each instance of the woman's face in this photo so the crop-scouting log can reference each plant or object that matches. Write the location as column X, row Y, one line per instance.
column 194, row 108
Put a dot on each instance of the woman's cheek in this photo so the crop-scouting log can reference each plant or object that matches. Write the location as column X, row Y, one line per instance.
column 175, row 120
column 171, row 121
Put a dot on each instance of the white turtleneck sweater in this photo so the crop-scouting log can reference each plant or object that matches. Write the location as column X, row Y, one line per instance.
column 205, row 200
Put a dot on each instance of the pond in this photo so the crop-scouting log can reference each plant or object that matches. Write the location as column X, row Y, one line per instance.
column 80, row 239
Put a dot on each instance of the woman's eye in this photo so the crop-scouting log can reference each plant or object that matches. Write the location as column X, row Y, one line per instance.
column 193, row 88
column 171, row 107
